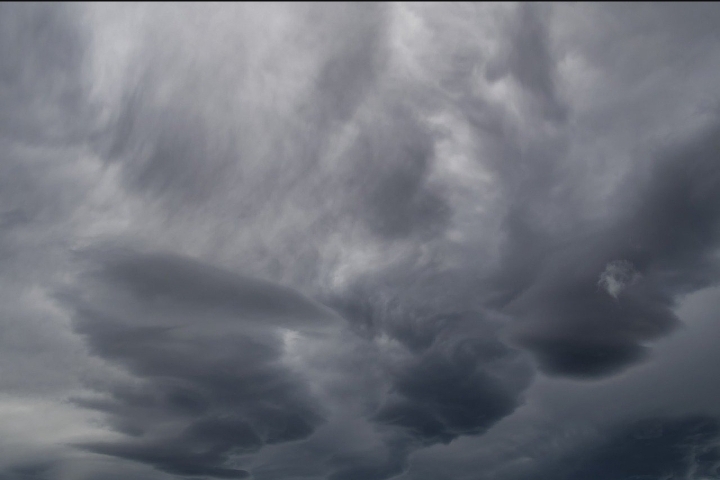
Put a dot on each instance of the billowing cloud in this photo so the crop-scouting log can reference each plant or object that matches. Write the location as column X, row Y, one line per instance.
column 358, row 241
column 205, row 350
column 687, row 447
column 572, row 322
column 212, row 358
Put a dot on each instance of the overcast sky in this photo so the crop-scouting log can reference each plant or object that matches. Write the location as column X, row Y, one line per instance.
column 359, row 241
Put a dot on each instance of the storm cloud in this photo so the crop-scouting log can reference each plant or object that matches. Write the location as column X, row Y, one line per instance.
column 205, row 349
column 684, row 447
column 359, row 241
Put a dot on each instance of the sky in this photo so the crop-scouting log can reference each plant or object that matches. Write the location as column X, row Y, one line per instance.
column 363, row 241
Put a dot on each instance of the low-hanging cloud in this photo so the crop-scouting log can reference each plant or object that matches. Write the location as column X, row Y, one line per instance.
column 686, row 447
column 205, row 350
column 346, row 241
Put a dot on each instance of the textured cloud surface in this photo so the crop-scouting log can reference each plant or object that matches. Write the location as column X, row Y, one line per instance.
column 359, row 241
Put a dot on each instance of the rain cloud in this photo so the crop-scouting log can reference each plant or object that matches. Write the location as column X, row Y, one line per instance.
column 359, row 241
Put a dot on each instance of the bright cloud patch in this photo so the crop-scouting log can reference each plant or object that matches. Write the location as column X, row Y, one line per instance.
column 616, row 276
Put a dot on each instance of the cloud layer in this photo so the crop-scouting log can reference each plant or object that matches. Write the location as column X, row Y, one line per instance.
column 358, row 242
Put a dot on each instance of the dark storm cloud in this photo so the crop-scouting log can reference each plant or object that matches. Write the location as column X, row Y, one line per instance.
column 649, row 448
column 440, row 400
column 559, row 270
column 176, row 459
column 29, row 471
column 675, row 230
column 350, row 468
column 579, row 326
column 432, row 194
column 457, row 376
column 461, row 380
column 209, row 387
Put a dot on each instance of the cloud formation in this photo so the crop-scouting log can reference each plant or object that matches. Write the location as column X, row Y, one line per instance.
column 205, row 349
column 358, row 242
column 685, row 447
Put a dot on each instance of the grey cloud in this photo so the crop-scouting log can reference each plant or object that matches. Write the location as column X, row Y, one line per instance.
column 373, row 464
column 43, row 108
column 177, row 279
column 151, row 313
column 527, row 56
column 31, row 471
column 672, row 448
column 169, row 151
column 468, row 187
column 373, row 471
column 575, row 326
column 456, row 384
column 663, row 222
column 168, row 148
column 44, row 115
column 440, row 400
column 212, row 384
column 355, row 63
column 41, row 65
column 174, row 460
column 392, row 163
column 553, row 252
column 675, row 227
column 578, row 357
column 458, row 376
